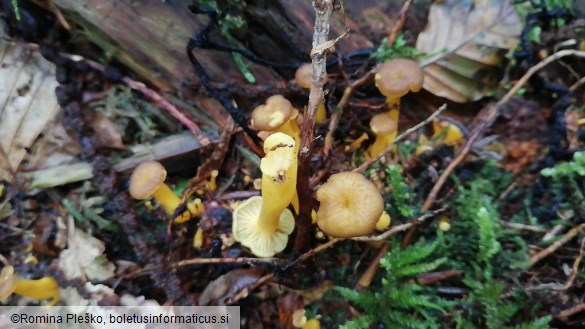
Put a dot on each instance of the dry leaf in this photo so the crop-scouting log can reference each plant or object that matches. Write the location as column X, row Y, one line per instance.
column 84, row 258
column 228, row 285
column 287, row 305
column 472, row 38
column 27, row 103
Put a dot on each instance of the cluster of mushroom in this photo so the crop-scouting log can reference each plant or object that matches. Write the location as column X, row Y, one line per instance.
column 40, row 289
column 278, row 115
column 148, row 180
column 394, row 79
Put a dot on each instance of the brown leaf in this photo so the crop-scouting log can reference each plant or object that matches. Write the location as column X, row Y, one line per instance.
column 287, row 305
column 107, row 132
column 27, row 104
column 472, row 37
column 228, row 285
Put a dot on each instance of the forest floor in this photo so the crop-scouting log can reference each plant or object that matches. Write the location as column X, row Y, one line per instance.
column 480, row 170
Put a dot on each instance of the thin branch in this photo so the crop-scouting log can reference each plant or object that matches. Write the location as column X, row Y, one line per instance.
column 399, row 228
column 238, row 260
column 489, row 117
column 400, row 137
column 556, row 245
column 323, row 11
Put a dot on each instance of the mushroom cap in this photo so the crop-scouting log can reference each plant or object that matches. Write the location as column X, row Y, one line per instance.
column 395, row 78
column 8, row 282
column 245, row 230
column 273, row 114
column 146, row 179
column 350, row 205
column 303, row 76
column 383, row 124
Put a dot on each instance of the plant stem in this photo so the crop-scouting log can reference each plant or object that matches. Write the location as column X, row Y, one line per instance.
column 323, row 10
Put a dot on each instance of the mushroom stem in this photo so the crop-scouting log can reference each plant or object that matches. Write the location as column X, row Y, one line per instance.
column 167, row 198
column 43, row 288
column 279, row 180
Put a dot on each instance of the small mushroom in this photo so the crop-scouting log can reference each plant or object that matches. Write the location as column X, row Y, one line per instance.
column 303, row 77
column 397, row 77
column 148, row 180
column 43, row 288
column 264, row 223
column 350, row 205
column 277, row 115
column 385, row 126
column 447, row 132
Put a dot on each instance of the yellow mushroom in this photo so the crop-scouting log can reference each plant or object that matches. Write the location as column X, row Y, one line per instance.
column 385, row 126
column 264, row 223
column 447, row 132
column 43, row 288
column 398, row 77
column 350, row 205
column 278, row 115
column 148, row 180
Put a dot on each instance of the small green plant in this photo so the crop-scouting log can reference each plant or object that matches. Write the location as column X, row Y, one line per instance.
column 474, row 245
column 16, row 9
column 401, row 195
column 400, row 302
column 399, row 49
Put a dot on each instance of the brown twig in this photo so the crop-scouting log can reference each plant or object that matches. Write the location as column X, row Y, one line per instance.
column 566, row 314
column 397, row 27
column 400, row 137
column 574, row 270
column 368, row 276
column 399, row 228
column 323, row 11
column 152, row 95
column 238, row 260
column 556, row 245
column 489, row 117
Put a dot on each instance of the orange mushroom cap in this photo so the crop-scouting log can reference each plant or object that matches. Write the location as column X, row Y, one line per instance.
column 383, row 124
column 146, row 179
column 350, row 205
column 395, row 78
column 303, row 76
column 273, row 114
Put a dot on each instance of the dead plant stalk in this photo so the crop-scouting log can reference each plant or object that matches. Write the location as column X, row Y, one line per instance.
column 323, row 11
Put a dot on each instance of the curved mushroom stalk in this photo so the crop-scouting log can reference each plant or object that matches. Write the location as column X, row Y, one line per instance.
column 263, row 224
column 385, row 126
column 43, row 288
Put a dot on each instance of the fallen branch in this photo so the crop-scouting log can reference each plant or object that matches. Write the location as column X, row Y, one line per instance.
column 556, row 245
